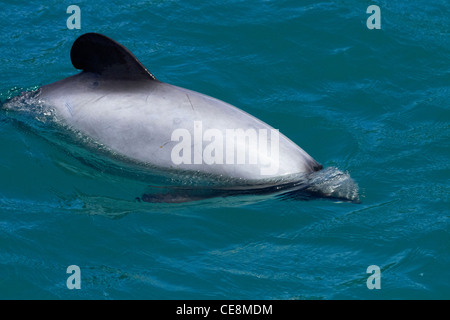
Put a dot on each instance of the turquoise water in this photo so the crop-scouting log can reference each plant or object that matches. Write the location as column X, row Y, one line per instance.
column 374, row 103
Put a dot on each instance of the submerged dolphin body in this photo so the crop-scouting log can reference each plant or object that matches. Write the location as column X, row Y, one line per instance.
column 116, row 101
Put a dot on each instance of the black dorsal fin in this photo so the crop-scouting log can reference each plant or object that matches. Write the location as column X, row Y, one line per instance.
column 96, row 53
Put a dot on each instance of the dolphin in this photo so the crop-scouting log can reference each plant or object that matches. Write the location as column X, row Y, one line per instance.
column 117, row 102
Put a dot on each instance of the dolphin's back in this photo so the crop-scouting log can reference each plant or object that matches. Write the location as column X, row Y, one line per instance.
column 118, row 102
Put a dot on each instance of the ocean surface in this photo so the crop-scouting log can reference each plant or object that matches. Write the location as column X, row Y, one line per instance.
column 372, row 102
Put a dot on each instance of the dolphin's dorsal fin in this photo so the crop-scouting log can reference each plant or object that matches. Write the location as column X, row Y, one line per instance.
column 96, row 53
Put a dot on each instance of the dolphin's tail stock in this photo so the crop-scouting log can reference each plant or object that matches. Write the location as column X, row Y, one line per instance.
column 329, row 183
column 175, row 194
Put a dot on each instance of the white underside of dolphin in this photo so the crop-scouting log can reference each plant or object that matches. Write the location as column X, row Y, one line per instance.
column 117, row 102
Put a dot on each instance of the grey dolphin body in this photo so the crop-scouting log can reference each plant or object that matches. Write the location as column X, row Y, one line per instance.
column 116, row 101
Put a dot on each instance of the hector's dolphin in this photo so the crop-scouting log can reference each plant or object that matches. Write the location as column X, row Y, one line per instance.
column 116, row 101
